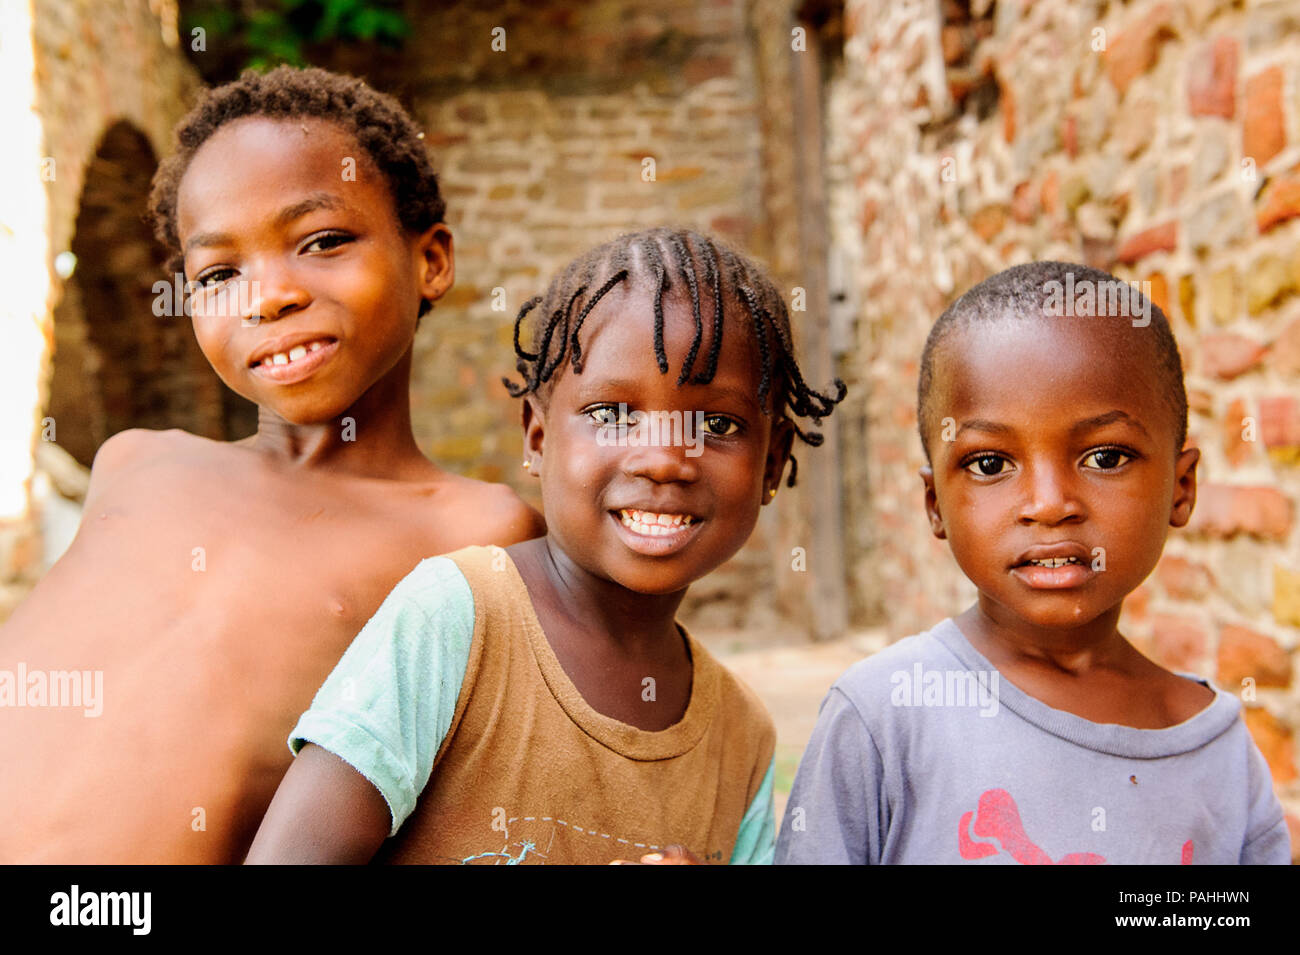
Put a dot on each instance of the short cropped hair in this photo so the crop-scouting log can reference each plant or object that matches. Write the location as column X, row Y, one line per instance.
column 1035, row 290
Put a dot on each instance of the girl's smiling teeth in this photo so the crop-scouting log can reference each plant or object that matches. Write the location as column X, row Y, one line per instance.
column 294, row 353
column 1054, row 561
column 652, row 524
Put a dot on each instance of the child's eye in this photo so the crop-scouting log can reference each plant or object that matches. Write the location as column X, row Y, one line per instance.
column 987, row 465
column 721, row 425
column 333, row 240
column 206, row 277
column 1107, row 459
column 606, row 416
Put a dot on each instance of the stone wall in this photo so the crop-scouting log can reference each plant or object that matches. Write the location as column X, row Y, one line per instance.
column 96, row 68
column 541, row 118
column 1157, row 140
column 542, row 148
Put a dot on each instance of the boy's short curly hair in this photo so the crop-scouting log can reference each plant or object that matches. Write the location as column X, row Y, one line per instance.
column 384, row 130
column 1025, row 292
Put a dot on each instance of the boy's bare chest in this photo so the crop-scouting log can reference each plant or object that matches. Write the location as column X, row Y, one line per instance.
column 261, row 535
column 215, row 601
column 236, row 558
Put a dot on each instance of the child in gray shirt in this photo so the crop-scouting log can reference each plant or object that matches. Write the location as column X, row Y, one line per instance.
column 1027, row 729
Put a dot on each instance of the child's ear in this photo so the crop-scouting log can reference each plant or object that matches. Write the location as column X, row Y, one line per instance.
column 437, row 264
column 1184, row 487
column 778, row 455
column 534, row 422
column 932, row 503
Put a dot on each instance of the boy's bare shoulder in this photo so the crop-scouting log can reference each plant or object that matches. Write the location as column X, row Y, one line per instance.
column 127, row 446
column 136, row 446
column 139, row 447
column 500, row 514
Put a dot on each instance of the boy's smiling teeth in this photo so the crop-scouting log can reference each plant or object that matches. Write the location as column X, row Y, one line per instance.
column 652, row 524
column 1054, row 561
column 293, row 354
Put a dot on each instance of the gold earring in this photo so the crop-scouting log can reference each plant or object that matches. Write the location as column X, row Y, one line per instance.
column 771, row 493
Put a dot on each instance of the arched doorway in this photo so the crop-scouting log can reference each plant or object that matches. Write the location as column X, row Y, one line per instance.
column 116, row 364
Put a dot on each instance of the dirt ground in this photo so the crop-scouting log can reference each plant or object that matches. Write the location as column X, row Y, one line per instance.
column 792, row 679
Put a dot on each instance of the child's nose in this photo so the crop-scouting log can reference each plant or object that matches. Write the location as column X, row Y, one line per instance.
column 661, row 464
column 1050, row 497
column 271, row 293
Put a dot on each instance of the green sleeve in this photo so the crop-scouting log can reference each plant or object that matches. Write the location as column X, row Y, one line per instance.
column 389, row 703
column 756, row 841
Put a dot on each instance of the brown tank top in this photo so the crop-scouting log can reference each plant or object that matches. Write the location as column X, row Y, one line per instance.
column 529, row 773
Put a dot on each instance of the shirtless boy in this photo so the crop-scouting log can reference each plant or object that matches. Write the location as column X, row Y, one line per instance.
column 215, row 585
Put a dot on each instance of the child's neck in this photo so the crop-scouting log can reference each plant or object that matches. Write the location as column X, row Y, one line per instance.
column 1089, row 670
column 593, row 606
column 1005, row 638
column 372, row 438
column 608, row 639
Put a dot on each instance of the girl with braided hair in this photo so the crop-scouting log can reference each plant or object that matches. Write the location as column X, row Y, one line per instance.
column 541, row 703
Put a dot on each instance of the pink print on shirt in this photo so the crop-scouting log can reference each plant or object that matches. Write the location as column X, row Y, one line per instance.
column 997, row 817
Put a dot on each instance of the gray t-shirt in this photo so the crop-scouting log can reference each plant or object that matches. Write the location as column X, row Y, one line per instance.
column 923, row 754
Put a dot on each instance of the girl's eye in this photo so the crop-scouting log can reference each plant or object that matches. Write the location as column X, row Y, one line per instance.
column 1107, row 459
column 333, row 240
column 987, row 465
column 605, row 417
column 721, row 425
column 206, row 277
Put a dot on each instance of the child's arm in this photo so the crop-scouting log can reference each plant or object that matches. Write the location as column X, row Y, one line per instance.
column 1268, row 841
column 756, row 841
column 324, row 813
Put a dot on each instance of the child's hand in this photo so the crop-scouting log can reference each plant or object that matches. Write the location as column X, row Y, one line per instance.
column 671, row 855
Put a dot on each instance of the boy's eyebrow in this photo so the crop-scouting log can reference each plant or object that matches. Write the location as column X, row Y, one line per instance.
column 316, row 200
column 1088, row 424
column 1079, row 427
column 983, row 424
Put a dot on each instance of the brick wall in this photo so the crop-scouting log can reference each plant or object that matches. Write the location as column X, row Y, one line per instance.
column 1157, row 140
column 541, row 147
column 97, row 67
